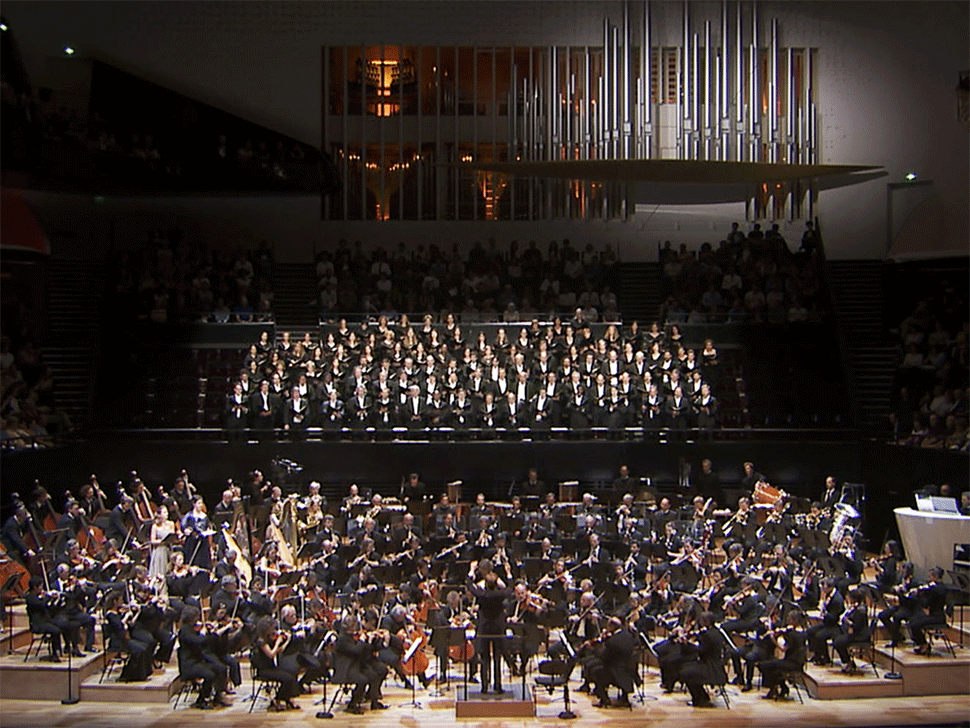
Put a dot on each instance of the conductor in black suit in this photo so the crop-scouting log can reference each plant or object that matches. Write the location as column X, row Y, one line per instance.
column 491, row 594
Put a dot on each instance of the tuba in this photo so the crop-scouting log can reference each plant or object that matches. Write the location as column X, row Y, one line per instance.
column 840, row 522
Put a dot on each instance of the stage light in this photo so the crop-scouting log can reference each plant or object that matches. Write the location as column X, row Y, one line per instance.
column 3, row 27
column 68, row 50
column 910, row 177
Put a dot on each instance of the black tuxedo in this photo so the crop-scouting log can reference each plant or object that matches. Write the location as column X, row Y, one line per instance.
column 332, row 414
column 262, row 409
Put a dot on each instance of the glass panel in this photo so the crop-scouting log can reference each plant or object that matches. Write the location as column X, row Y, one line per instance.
column 335, row 92
column 355, row 76
column 466, row 81
column 486, row 84
column 503, row 80
column 428, row 171
column 354, row 183
column 337, row 211
column 429, row 85
column 447, row 81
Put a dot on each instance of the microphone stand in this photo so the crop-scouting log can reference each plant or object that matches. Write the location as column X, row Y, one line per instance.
column 71, row 699
column 892, row 674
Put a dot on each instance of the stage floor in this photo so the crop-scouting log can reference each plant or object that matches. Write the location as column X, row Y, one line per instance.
column 747, row 710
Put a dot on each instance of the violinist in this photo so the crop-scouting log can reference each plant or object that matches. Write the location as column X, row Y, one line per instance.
column 619, row 589
column 906, row 607
column 76, row 595
column 523, row 608
column 117, row 626
column 364, row 672
column 583, row 626
column 791, row 643
column 557, row 583
column 855, row 628
column 748, row 604
column 109, row 562
column 886, row 566
column 259, row 604
column 932, row 603
column 152, row 624
column 193, row 639
column 268, row 644
column 831, row 605
column 297, row 656
column 759, row 648
column 677, row 650
column 708, row 667
column 225, row 639
column 45, row 617
column 730, row 574
column 184, row 583
column 613, row 663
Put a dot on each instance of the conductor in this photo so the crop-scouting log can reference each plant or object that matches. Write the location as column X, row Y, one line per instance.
column 491, row 594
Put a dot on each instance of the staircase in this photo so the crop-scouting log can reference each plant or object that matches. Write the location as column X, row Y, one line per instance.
column 75, row 289
column 640, row 296
column 858, row 296
column 295, row 297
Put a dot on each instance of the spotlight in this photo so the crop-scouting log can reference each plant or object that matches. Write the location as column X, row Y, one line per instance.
column 3, row 27
column 68, row 50
column 910, row 177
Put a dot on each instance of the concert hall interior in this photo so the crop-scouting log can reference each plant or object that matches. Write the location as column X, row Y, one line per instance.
column 449, row 361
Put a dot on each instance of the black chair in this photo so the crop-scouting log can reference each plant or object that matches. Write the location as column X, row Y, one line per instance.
column 189, row 685
column 866, row 647
column 260, row 685
column 555, row 674
column 41, row 639
column 340, row 679
column 938, row 631
column 797, row 680
column 111, row 659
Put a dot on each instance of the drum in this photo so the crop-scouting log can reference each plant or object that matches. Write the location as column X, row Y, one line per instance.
column 766, row 494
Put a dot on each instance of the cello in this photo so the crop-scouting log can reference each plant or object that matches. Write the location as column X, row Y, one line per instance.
column 418, row 663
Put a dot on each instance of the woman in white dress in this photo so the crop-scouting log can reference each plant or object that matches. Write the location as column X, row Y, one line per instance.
column 162, row 528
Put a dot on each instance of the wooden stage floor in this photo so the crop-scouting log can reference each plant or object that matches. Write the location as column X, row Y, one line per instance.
column 747, row 710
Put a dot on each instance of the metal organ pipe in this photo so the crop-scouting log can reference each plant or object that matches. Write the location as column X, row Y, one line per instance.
column 738, row 90
column 707, row 89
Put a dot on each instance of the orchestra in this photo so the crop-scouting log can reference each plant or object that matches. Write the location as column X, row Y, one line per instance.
column 352, row 588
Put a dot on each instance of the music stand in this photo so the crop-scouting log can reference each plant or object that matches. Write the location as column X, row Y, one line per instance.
column 328, row 638
column 407, row 656
column 308, row 550
column 644, row 646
